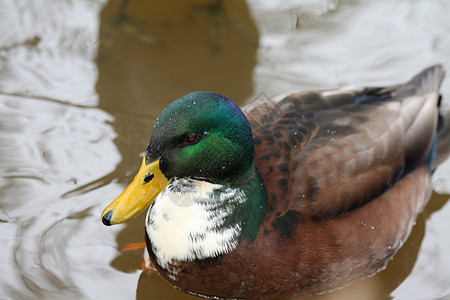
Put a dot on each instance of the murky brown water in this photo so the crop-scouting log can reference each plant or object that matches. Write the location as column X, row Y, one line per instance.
column 73, row 125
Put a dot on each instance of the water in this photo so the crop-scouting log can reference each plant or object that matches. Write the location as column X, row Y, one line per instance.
column 82, row 82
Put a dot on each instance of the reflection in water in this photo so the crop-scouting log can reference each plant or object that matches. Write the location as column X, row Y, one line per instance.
column 46, row 56
column 66, row 151
column 52, row 139
column 143, row 80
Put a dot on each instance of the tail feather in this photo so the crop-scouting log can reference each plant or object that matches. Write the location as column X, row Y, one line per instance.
column 427, row 81
column 443, row 139
column 420, row 106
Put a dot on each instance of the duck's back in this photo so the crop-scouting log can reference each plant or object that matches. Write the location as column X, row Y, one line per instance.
column 329, row 152
column 346, row 174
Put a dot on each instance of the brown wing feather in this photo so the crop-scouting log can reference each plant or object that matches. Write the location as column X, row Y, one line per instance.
column 325, row 164
column 325, row 154
column 264, row 112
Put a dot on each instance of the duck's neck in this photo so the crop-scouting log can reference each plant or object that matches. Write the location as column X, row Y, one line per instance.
column 194, row 219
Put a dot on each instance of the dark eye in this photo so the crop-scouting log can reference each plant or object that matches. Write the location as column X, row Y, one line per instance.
column 192, row 138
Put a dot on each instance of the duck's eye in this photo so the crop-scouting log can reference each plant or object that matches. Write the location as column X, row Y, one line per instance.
column 192, row 138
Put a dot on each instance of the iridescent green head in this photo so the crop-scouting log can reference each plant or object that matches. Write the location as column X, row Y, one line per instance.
column 202, row 135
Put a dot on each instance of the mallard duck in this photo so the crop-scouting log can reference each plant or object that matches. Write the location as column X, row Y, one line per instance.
column 296, row 196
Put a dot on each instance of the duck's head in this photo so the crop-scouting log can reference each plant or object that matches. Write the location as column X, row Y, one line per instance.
column 202, row 135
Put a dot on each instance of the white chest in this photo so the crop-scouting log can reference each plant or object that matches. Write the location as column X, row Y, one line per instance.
column 187, row 221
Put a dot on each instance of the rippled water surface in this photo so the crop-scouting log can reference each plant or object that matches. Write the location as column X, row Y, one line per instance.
column 82, row 82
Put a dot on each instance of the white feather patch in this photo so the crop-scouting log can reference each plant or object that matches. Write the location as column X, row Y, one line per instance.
column 186, row 222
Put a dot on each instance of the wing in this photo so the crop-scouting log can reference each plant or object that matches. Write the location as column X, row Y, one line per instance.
column 324, row 154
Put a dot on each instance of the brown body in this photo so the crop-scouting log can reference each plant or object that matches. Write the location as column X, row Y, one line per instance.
column 344, row 183
column 317, row 256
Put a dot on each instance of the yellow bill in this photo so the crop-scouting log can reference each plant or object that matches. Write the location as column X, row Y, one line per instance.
column 147, row 184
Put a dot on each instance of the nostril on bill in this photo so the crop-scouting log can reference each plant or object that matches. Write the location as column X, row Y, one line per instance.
column 148, row 178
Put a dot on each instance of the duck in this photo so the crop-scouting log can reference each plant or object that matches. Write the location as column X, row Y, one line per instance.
column 297, row 195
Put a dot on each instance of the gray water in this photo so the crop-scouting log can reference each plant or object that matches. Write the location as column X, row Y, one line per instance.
column 82, row 82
